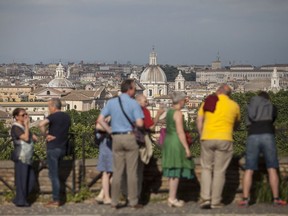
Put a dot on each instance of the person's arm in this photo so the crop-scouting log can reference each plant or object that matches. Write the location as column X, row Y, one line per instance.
column 25, row 136
column 178, row 118
column 200, row 120
column 156, row 119
column 139, row 123
column 138, row 115
column 43, row 126
column 103, row 123
column 34, row 138
column 237, row 119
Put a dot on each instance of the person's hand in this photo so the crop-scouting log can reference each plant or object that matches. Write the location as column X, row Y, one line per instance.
column 35, row 138
column 188, row 153
column 160, row 111
column 26, row 121
column 50, row 138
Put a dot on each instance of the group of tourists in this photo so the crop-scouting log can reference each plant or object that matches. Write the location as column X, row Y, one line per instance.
column 119, row 161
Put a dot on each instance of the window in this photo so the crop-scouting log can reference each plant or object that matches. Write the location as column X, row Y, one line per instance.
column 75, row 107
column 48, row 92
column 160, row 92
column 68, row 106
column 179, row 85
column 150, row 92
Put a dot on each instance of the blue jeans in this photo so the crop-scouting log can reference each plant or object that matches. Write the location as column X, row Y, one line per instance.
column 53, row 158
column 261, row 143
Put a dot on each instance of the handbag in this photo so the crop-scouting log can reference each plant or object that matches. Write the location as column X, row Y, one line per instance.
column 146, row 152
column 188, row 138
column 138, row 132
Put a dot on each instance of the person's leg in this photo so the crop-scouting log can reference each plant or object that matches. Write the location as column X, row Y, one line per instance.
column 106, row 187
column 247, row 182
column 118, row 168
column 173, row 186
column 271, row 159
column 207, row 160
column 223, row 156
column 132, row 159
column 31, row 179
column 53, row 157
column 274, row 182
column 251, row 164
column 140, row 174
column 21, row 174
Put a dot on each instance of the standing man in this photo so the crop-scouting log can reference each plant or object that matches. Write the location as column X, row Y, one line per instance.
column 57, row 137
column 124, row 146
column 261, row 115
column 215, row 128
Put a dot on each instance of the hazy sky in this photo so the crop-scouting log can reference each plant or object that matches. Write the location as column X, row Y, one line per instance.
column 183, row 31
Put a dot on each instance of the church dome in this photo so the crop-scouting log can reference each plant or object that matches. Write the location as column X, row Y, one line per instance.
column 153, row 73
column 60, row 81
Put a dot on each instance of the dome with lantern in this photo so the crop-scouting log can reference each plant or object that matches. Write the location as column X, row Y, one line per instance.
column 60, row 81
column 153, row 78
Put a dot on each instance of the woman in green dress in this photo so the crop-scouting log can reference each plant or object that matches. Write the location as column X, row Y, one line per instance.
column 176, row 156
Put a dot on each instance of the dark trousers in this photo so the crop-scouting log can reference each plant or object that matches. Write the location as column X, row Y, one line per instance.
column 24, row 182
column 54, row 156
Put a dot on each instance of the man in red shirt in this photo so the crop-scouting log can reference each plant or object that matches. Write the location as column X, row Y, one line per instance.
column 149, row 123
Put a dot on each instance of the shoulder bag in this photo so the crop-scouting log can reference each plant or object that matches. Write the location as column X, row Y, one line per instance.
column 142, row 138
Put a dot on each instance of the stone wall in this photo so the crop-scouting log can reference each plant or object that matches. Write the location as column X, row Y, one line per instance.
column 154, row 184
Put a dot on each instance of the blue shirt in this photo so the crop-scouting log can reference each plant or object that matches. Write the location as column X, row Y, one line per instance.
column 119, row 122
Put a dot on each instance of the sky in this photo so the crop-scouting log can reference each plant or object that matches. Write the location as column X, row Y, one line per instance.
column 182, row 31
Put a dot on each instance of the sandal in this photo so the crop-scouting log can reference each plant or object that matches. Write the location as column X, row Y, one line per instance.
column 175, row 203
column 244, row 203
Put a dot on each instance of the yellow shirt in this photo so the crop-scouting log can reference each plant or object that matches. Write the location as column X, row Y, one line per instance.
column 219, row 125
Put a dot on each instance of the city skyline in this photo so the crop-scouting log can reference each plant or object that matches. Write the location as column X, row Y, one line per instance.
column 183, row 32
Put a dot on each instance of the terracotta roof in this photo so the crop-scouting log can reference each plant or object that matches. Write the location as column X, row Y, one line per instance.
column 41, row 89
column 16, row 86
column 76, row 96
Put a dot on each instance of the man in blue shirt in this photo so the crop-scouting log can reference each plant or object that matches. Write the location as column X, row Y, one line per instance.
column 125, row 148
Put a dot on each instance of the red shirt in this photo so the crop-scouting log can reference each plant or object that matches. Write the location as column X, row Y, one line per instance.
column 148, row 121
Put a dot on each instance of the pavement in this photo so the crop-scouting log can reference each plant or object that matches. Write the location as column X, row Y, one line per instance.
column 159, row 208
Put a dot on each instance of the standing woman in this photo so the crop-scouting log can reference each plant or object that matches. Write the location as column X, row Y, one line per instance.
column 176, row 155
column 105, row 163
column 23, row 141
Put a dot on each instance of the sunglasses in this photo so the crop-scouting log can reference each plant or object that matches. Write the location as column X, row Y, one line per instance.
column 24, row 114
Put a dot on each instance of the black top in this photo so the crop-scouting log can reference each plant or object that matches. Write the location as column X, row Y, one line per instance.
column 261, row 127
column 59, row 124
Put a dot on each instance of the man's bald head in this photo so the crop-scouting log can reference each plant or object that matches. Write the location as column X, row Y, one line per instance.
column 142, row 100
column 224, row 89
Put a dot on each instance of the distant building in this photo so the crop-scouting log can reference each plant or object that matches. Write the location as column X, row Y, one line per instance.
column 16, row 93
column 60, row 82
column 275, row 85
column 180, row 82
column 154, row 79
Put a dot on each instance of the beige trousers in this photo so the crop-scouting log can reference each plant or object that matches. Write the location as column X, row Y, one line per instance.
column 215, row 158
column 125, row 157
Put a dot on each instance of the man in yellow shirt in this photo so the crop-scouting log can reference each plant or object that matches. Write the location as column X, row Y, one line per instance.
column 216, row 120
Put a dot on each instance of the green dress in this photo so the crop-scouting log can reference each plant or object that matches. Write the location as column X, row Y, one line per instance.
column 174, row 161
